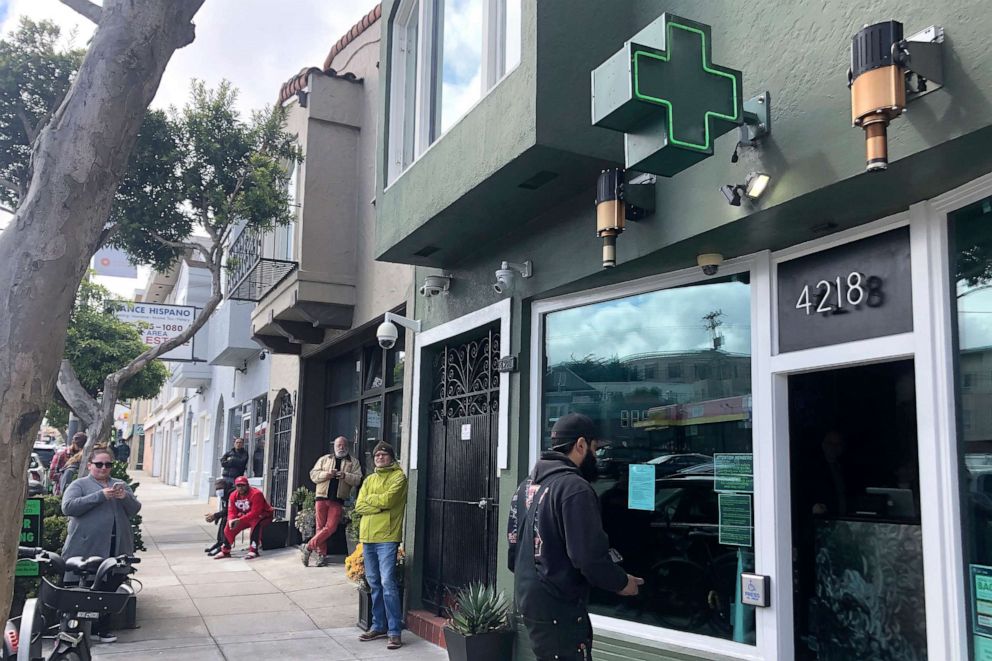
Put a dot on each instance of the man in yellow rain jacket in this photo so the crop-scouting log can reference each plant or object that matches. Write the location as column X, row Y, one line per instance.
column 382, row 503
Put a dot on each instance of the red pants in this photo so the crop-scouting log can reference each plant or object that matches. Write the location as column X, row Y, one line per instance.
column 242, row 524
column 328, row 518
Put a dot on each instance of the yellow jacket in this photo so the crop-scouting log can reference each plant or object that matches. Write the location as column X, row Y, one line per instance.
column 382, row 503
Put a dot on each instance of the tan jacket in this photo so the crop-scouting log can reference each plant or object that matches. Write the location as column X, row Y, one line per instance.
column 352, row 475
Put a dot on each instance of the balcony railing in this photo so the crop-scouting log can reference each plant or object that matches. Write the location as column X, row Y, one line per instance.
column 251, row 275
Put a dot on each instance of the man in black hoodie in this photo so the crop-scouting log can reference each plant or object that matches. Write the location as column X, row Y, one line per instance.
column 558, row 548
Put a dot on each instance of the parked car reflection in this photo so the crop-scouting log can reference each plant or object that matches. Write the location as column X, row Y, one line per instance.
column 690, row 578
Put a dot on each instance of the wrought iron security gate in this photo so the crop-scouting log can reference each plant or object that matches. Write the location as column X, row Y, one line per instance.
column 461, row 484
column 282, row 430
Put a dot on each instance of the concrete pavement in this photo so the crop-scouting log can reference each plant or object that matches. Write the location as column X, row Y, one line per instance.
column 192, row 607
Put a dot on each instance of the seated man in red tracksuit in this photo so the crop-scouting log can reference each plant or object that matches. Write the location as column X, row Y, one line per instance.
column 247, row 508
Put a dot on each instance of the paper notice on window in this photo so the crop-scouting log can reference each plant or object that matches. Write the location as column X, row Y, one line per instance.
column 640, row 489
column 981, row 609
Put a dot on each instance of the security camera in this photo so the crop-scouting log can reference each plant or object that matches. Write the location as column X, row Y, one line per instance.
column 709, row 262
column 506, row 276
column 262, row 354
column 387, row 334
column 504, row 281
column 435, row 285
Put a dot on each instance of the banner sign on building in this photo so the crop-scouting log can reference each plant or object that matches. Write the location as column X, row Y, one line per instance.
column 113, row 262
column 159, row 323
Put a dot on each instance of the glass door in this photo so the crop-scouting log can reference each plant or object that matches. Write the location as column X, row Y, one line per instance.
column 857, row 540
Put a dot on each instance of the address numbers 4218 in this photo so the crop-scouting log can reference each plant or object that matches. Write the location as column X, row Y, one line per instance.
column 832, row 296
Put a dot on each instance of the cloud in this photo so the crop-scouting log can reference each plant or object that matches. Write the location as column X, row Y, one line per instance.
column 256, row 44
column 670, row 320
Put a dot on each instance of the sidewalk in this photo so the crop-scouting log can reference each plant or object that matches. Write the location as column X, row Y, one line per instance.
column 195, row 608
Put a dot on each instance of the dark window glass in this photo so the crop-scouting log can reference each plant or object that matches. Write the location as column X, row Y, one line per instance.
column 342, row 420
column 395, row 364
column 342, row 378
column 668, row 421
column 373, row 368
column 971, row 263
column 394, row 406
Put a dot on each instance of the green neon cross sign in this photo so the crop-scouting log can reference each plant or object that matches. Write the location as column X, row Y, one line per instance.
column 663, row 91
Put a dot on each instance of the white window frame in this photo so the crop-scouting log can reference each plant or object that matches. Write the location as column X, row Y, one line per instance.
column 497, row 312
column 424, row 104
column 929, row 345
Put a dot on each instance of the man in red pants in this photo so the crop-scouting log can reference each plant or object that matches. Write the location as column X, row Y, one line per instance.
column 247, row 508
column 335, row 475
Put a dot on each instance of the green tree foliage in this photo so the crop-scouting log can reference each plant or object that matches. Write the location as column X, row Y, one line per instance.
column 36, row 70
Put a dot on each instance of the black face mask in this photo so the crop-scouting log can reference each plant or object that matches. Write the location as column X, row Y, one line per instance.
column 588, row 467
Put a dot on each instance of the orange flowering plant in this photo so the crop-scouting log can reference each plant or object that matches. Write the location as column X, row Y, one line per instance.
column 354, row 566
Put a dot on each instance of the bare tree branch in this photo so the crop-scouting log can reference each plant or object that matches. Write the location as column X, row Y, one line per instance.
column 108, row 233
column 80, row 402
column 85, row 8
column 28, row 125
column 112, row 384
column 184, row 245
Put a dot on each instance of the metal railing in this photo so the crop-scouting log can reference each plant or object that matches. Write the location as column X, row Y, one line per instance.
column 251, row 275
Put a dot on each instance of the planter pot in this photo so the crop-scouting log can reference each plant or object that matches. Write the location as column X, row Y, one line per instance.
column 491, row 646
column 364, row 610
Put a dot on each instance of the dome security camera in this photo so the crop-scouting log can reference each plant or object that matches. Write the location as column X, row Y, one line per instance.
column 262, row 354
column 504, row 281
column 387, row 334
column 506, row 276
column 435, row 285
column 709, row 262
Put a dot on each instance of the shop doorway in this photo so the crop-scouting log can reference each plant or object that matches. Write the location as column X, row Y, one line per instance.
column 857, row 540
column 461, row 483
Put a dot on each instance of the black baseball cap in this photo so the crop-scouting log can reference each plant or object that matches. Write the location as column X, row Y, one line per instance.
column 571, row 426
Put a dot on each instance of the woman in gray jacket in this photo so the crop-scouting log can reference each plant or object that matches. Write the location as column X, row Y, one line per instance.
column 99, row 508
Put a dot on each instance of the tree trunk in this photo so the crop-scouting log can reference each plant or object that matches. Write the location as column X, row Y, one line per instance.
column 78, row 163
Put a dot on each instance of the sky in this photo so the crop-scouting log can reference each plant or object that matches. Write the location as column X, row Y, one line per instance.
column 256, row 44
column 670, row 320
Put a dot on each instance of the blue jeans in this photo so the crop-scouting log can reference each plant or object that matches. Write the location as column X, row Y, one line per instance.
column 380, row 572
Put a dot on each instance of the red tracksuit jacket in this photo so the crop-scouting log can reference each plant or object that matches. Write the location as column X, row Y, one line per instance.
column 249, row 508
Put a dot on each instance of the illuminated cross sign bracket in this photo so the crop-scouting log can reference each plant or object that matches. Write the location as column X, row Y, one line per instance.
column 664, row 93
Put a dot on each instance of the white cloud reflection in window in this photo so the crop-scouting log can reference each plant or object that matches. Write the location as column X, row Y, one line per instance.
column 461, row 60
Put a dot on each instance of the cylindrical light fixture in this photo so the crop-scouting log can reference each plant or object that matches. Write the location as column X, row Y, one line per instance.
column 878, row 86
column 610, row 212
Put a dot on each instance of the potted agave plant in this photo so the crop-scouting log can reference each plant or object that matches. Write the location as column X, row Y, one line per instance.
column 479, row 628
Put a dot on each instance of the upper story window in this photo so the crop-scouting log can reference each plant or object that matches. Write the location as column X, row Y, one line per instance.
column 446, row 55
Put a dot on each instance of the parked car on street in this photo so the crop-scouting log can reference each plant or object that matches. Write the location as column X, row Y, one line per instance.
column 45, row 451
column 38, row 483
column 668, row 464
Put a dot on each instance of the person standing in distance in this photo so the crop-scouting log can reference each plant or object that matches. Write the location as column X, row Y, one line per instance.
column 558, row 548
column 234, row 462
column 335, row 476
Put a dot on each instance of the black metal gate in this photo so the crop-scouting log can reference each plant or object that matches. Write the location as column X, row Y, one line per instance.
column 282, row 431
column 461, row 484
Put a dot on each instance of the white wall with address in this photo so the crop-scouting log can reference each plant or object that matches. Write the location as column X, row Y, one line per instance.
column 159, row 323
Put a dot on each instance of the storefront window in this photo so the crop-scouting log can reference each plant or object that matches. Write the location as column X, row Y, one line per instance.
column 971, row 234
column 667, row 376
